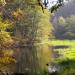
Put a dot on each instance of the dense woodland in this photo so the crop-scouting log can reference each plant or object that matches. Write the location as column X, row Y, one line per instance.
column 66, row 26
column 25, row 27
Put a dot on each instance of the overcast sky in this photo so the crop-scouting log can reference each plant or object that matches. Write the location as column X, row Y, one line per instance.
column 65, row 11
column 53, row 2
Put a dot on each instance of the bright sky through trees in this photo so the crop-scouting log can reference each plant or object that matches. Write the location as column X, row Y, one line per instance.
column 53, row 2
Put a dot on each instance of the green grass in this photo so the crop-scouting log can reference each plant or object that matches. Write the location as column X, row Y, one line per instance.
column 63, row 42
column 66, row 53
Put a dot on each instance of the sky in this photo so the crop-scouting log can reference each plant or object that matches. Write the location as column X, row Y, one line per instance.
column 53, row 2
column 64, row 11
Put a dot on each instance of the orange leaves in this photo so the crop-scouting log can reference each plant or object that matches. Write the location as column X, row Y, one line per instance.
column 18, row 13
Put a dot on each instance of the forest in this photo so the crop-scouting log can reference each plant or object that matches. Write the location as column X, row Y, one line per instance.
column 35, row 40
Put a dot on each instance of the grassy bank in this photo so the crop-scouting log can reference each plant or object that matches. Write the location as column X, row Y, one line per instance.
column 65, row 48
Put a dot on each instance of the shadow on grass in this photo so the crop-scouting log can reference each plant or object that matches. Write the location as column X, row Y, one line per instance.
column 68, row 62
column 67, row 67
column 60, row 46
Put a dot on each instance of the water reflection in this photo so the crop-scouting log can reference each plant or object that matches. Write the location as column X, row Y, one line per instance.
column 33, row 59
column 27, row 60
column 60, row 46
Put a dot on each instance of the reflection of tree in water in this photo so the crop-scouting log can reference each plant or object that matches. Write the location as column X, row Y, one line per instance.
column 27, row 60
column 32, row 59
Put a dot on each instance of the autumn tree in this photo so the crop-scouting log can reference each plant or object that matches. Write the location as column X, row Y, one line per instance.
column 6, row 53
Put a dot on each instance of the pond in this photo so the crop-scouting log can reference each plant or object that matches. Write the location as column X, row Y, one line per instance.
column 33, row 59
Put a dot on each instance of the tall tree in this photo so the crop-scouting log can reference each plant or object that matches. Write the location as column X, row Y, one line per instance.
column 6, row 29
column 34, row 28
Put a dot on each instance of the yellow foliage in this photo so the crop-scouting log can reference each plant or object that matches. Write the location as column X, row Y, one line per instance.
column 7, row 52
column 7, row 60
column 17, row 13
column 10, row 25
column 7, row 57
column 5, row 38
column 3, row 26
